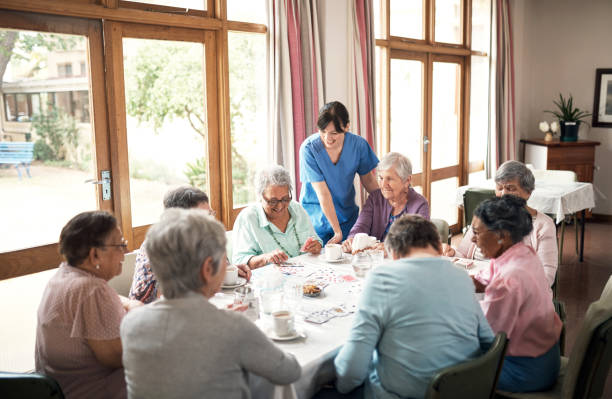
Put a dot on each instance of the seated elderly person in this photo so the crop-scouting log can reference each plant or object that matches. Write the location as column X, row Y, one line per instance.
column 516, row 298
column 182, row 346
column 514, row 178
column 416, row 316
column 144, row 284
column 77, row 333
column 275, row 229
column 394, row 199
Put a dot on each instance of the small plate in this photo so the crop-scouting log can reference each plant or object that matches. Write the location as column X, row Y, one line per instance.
column 297, row 333
column 241, row 281
column 322, row 257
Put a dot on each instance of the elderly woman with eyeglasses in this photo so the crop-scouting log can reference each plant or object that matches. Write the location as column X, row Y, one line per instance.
column 514, row 178
column 183, row 346
column 77, row 334
column 144, row 283
column 394, row 198
column 275, row 229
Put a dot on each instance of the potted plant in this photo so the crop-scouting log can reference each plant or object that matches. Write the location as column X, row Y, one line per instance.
column 569, row 117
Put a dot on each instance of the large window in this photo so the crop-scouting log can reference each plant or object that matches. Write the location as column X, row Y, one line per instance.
column 432, row 92
column 140, row 96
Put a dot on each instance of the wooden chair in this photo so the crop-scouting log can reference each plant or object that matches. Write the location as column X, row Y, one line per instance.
column 474, row 379
column 471, row 199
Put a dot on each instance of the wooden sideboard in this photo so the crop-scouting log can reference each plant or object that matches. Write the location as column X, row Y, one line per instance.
column 578, row 156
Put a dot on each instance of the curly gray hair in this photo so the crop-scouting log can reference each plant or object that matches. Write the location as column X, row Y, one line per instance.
column 272, row 176
column 178, row 245
column 511, row 170
column 402, row 165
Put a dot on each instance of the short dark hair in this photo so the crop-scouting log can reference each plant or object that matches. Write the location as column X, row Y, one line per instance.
column 85, row 231
column 334, row 112
column 412, row 231
column 185, row 197
column 506, row 213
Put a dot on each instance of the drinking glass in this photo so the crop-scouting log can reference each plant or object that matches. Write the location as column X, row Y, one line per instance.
column 361, row 264
column 377, row 255
column 271, row 300
column 293, row 290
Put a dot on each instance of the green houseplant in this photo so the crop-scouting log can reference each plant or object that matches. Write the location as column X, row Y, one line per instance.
column 570, row 117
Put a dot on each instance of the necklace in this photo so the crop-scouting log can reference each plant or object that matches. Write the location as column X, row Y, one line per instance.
column 269, row 229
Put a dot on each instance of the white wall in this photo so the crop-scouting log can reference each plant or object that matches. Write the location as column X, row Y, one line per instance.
column 333, row 27
column 558, row 46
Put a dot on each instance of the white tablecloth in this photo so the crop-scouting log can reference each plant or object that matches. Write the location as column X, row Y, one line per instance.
column 316, row 352
column 559, row 199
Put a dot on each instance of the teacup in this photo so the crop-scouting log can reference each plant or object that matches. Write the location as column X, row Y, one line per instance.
column 231, row 275
column 283, row 323
column 362, row 241
column 333, row 252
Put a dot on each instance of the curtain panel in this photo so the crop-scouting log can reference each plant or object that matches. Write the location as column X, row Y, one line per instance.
column 296, row 79
column 505, row 111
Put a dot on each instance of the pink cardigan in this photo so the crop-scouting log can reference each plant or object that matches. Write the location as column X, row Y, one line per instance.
column 518, row 301
column 543, row 239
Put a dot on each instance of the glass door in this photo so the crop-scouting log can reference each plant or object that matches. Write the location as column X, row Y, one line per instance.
column 165, row 109
column 53, row 115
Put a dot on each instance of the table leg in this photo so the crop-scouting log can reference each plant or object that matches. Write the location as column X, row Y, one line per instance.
column 582, row 217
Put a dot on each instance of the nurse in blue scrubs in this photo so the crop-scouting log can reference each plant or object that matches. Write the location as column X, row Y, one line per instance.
column 329, row 161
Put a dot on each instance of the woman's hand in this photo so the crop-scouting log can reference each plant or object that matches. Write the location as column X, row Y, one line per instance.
column 447, row 250
column 244, row 271
column 480, row 287
column 277, row 256
column 129, row 304
column 312, row 246
column 336, row 239
column 347, row 245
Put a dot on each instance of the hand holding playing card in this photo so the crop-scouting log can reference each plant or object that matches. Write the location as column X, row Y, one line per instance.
column 312, row 245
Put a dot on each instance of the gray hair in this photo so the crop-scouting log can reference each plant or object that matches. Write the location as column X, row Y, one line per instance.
column 178, row 245
column 272, row 176
column 184, row 197
column 402, row 165
column 411, row 231
column 511, row 170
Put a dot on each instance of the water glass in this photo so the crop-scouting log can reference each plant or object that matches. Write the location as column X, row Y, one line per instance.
column 361, row 264
column 293, row 291
column 377, row 256
column 271, row 300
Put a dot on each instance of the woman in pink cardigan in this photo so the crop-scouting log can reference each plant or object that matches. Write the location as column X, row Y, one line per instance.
column 514, row 178
column 516, row 299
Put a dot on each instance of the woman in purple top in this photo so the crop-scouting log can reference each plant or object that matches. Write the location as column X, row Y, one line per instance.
column 394, row 198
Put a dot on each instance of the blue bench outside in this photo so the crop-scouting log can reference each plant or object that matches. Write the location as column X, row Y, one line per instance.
column 18, row 154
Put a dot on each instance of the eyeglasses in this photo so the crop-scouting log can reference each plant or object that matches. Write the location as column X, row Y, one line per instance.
column 274, row 202
column 123, row 245
column 210, row 212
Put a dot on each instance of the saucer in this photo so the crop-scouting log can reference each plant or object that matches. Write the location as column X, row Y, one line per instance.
column 297, row 333
column 241, row 281
column 340, row 259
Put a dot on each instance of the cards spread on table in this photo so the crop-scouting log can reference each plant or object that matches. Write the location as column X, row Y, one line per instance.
column 322, row 316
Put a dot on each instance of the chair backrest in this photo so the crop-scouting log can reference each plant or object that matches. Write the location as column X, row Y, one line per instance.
column 123, row 282
column 26, row 386
column 591, row 355
column 443, row 230
column 475, row 379
column 555, row 176
column 471, row 199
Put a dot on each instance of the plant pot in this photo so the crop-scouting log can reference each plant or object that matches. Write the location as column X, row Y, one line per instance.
column 569, row 130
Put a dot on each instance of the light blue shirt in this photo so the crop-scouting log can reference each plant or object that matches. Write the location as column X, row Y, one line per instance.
column 316, row 166
column 416, row 316
column 254, row 235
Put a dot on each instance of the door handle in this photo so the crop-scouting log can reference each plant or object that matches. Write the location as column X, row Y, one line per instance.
column 425, row 144
column 105, row 182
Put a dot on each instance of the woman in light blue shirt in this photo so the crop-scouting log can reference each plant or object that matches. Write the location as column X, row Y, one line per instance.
column 329, row 161
column 416, row 316
column 277, row 228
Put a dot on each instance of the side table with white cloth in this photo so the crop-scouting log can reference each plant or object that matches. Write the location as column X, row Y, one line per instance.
column 559, row 199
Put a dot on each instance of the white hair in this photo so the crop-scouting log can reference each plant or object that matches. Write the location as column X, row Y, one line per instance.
column 272, row 176
column 178, row 245
column 401, row 164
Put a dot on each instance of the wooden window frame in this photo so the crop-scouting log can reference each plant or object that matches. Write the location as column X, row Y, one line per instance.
column 86, row 17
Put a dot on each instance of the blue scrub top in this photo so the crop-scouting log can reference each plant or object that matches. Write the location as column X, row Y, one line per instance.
column 315, row 166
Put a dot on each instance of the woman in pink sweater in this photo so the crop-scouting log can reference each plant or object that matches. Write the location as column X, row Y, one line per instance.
column 514, row 178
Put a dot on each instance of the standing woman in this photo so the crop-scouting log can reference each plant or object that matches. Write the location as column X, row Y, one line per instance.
column 328, row 164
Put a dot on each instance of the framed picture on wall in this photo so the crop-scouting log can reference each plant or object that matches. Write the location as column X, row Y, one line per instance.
column 602, row 104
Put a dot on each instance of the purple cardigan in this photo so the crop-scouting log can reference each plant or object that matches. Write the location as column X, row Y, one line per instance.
column 375, row 214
